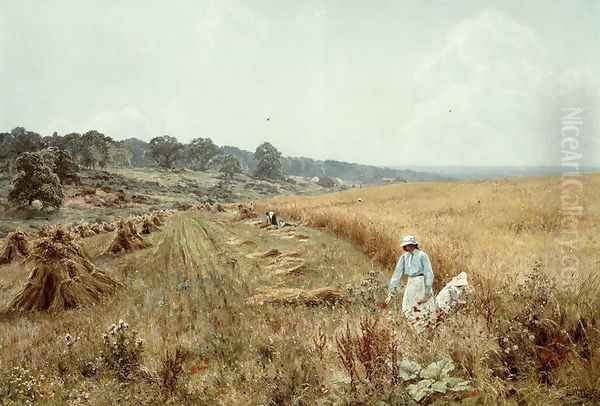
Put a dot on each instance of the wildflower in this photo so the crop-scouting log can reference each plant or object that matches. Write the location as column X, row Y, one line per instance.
column 515, row 347
column 531, row 337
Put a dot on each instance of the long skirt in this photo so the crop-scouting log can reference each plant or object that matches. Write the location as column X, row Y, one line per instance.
column 413, row 294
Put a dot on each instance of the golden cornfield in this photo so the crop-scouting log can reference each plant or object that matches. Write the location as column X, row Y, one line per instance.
column 534, row 269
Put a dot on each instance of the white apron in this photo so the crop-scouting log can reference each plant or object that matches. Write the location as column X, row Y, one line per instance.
column 413, row 293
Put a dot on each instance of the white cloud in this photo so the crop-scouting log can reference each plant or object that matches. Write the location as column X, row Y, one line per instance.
column 481, row 97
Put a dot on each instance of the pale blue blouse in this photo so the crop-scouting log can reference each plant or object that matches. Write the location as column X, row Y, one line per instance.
column 412, row 264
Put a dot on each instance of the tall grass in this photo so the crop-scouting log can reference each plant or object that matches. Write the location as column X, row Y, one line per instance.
column 530, row 330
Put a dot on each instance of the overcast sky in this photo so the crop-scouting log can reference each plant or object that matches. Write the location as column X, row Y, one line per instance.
column 383, row 82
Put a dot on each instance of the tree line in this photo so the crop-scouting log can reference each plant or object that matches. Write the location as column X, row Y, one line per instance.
column 41, row 165
column 203, row 154
column 91, row 149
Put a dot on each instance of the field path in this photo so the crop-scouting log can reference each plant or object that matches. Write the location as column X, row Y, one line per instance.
column 192, row 246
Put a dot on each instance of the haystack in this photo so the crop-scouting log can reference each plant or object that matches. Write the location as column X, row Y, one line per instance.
column 236, row 242
column 246, row 212
column 62, row 277
column 156, row 220
column 267, row 254
column 16, row 247
column 290, row 254
column 127, row 239
column 292, row 296
column 287, row 266
column 109, row 227
column 84, row 230
column 96, row 228
column 46, row 230
column 149, row 226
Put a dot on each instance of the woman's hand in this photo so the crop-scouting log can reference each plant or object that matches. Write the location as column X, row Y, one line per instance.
column 425, row 298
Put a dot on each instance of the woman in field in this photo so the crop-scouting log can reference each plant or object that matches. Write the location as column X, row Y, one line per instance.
column 414, row 263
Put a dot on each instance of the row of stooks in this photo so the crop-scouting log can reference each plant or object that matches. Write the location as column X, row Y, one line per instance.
column 17, row 245
column 209, row 207
column 62, row 276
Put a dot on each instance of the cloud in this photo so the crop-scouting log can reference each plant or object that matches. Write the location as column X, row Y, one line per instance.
column 482, row 96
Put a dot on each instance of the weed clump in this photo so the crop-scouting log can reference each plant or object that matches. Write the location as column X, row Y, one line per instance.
column 18, row 386
column 122, row 350
column 171, row 369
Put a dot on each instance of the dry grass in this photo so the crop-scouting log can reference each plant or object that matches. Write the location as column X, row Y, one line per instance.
column 192, row 338
column 530, row 333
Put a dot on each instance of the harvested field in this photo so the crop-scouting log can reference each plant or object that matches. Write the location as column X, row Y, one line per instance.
column 191, row 286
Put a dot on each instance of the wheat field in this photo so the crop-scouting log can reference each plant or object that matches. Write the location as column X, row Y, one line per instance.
column 532, row 325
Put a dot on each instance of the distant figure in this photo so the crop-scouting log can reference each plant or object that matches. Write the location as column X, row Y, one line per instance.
column 272, row 218
column 414, row 263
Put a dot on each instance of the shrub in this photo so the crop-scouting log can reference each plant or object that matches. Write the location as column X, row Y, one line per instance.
column 122, row 350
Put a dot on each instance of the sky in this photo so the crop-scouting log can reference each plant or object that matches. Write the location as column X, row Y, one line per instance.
column 447, row 82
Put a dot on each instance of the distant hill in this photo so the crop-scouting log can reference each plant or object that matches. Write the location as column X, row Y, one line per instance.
column 349, row 172
column 301, row 166
column 494, row 172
